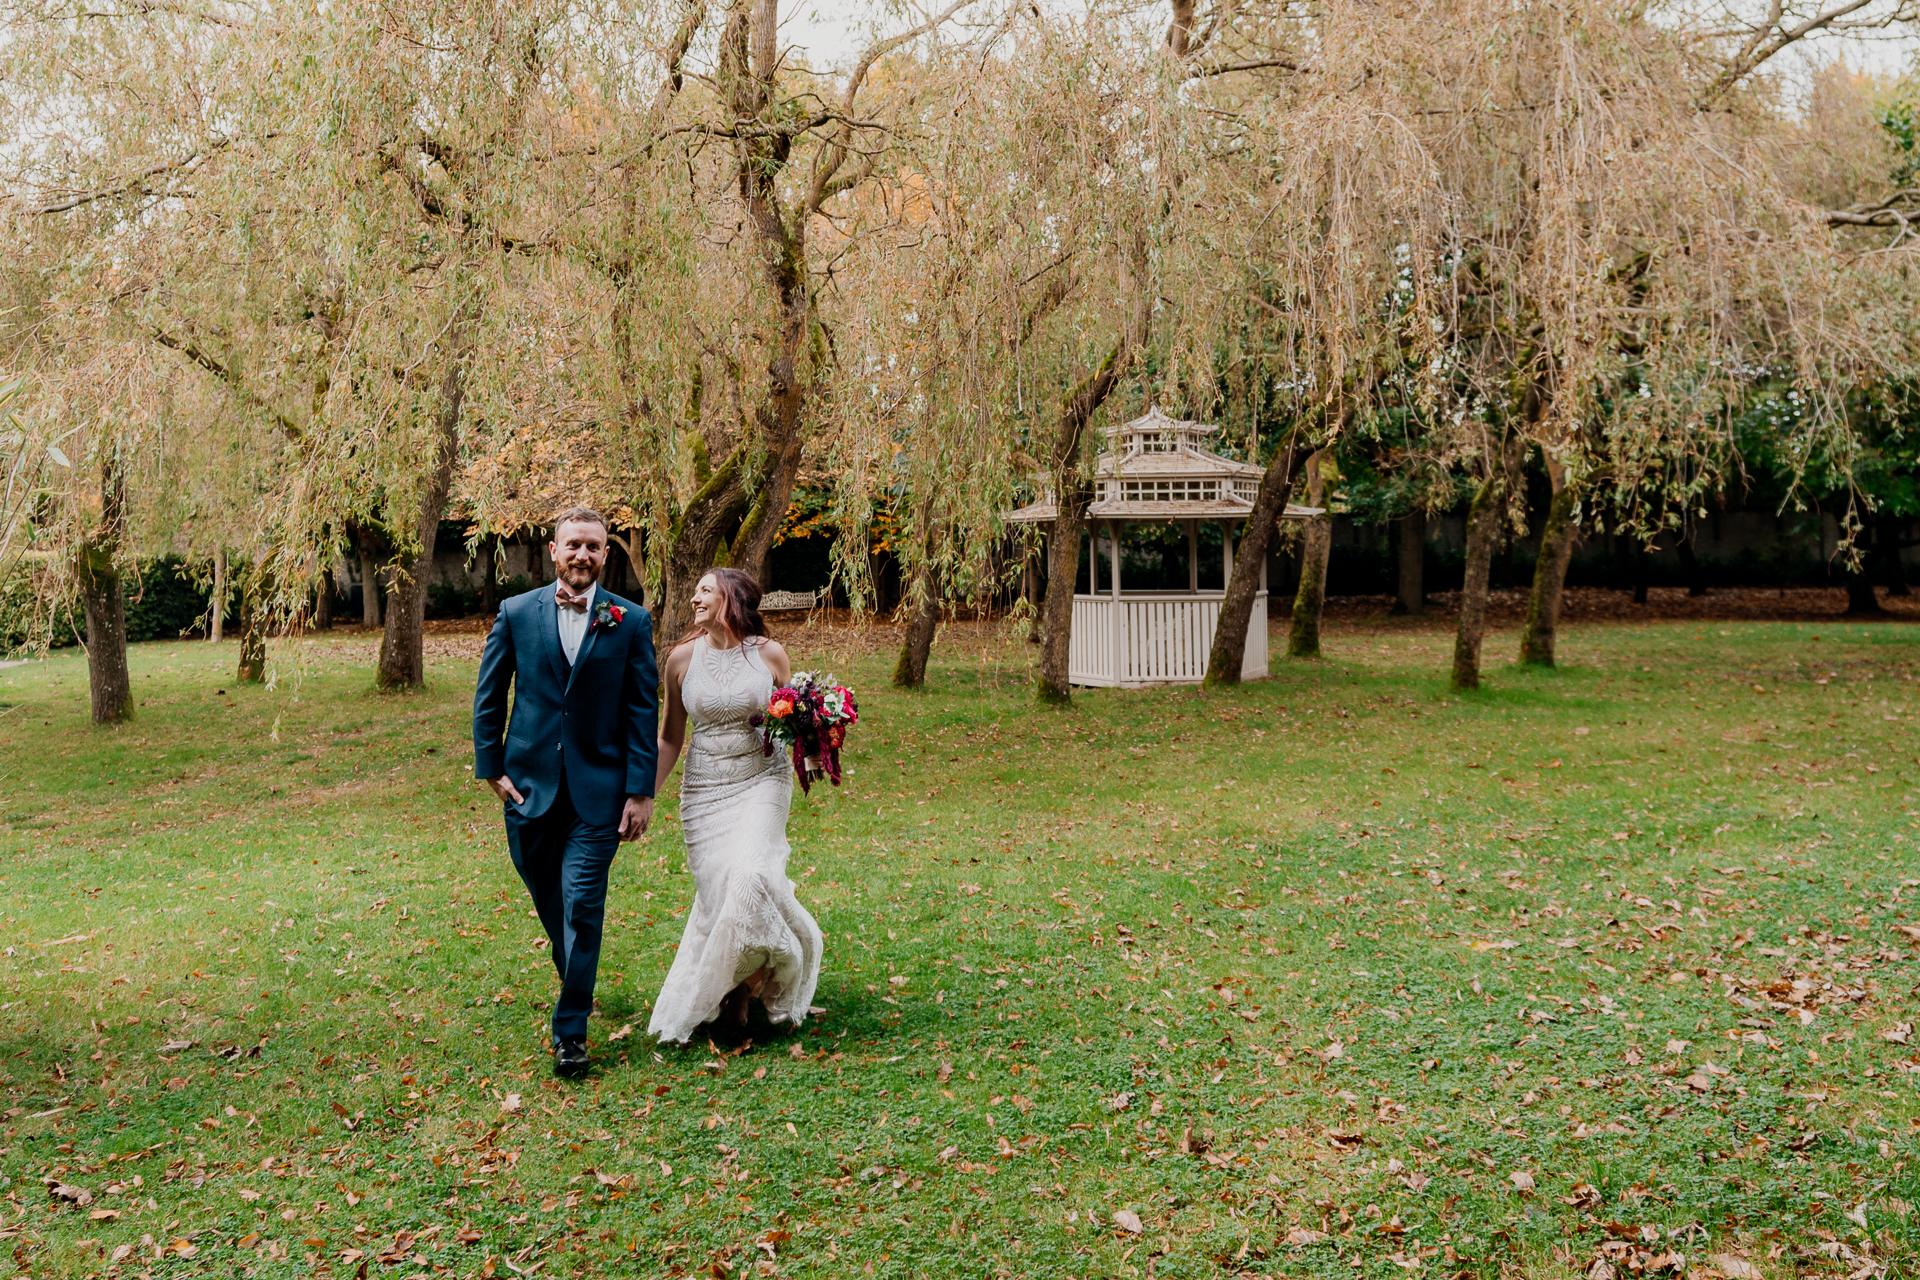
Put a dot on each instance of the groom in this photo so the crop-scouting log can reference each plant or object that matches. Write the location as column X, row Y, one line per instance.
column 575, row 766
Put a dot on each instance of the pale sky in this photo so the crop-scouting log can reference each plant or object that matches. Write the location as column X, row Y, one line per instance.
column 833, row 32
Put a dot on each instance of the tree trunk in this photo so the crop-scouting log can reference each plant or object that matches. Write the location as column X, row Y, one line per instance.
column 693, row 545
column 923, row 619
column 252, row 668
column 753, row 542
column 489, row 576
column 374, row 550
column 403, row 662
column 1236, row 608
column 1483, row 530
column 1032, row 572
column 217, row 607
column 1412, row 600
column 745, row 74
column 1861, row 600
column 1073, row 494
column 1550, row 573
column 1696, row 583
column 1309, row 602
column 105, row 606
column 323, row 601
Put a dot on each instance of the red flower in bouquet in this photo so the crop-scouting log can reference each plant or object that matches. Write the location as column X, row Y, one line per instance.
column 782, row 704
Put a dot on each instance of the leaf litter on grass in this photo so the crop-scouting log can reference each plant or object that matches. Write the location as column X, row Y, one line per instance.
column 1290, row 988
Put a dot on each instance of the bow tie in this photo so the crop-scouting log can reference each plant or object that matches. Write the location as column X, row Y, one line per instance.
column 567, row 600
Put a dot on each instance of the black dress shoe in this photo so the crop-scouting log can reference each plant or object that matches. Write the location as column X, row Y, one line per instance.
column 570, row 1057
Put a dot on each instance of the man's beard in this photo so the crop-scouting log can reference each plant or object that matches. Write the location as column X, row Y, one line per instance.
column 578, row 577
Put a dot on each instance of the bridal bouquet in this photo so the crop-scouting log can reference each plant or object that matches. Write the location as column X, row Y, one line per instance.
column 810, row 716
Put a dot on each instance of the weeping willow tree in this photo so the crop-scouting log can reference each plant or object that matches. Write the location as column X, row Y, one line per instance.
column 1556, row 231
column 313, row 213
column 82, row 536
column 707, row 268
column 1125, row 216
column 1023, row 308
column 513, row 257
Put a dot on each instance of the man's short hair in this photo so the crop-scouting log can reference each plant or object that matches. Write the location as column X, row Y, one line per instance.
column 578, row 515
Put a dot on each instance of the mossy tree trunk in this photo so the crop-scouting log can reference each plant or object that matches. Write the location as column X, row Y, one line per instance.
column 217, row 606
column 403, row 660
column 1484, row 518
column 253, row 620
column 1550, row 571
column 1229, row 650
column 374, row 551
column 922, row 606
column 697, row 541
column 103, row 600
column 923, row 620
column 1310, row 601
column 1073, row 494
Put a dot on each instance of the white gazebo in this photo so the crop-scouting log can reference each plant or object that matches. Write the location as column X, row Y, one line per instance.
column 1155, row 472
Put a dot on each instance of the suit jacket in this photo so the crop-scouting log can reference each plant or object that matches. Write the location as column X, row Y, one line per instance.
column 594, row 723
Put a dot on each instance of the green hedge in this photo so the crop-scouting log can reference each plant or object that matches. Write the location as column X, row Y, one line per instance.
column 163, row 601
column 166, row 602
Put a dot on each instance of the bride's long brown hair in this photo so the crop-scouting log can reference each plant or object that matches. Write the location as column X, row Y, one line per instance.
column 739, row 605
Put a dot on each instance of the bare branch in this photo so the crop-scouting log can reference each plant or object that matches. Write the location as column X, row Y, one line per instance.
column 835, row 155
column 147, row 8
column 1203, row 69
column 1770, row 38
column 247, row 395
column 676, row 54
column 887, row 46
column 136, row 185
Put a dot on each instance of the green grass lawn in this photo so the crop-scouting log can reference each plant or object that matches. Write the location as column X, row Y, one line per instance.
column 1334, row 974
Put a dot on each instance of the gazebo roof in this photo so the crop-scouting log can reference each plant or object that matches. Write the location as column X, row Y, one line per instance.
column 1155, row 470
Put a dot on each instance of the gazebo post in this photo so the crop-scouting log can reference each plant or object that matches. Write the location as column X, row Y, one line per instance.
column 1193, row 556
column 1226, row 554
column 1119, row 610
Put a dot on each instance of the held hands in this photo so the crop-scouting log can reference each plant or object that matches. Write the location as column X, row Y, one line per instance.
column 636, row 817
column 504, row 788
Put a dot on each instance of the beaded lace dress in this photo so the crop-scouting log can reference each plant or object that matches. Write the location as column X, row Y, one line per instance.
column 733, row 813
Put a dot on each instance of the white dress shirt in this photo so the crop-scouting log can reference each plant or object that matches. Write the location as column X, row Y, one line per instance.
column 573, row 626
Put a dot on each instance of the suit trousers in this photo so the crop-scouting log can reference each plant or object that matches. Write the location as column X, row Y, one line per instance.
column 564, row 862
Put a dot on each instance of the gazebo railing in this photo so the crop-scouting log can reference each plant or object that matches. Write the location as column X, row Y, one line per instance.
column 1154, row 637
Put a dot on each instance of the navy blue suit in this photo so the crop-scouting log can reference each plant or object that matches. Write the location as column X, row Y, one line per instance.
column 581, row 740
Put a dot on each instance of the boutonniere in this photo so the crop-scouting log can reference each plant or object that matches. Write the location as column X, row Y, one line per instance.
column 607, row 615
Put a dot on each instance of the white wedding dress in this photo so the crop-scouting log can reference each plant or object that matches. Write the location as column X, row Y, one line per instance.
column 733, row 814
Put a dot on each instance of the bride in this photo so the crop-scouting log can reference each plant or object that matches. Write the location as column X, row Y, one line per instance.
column 747, row 937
